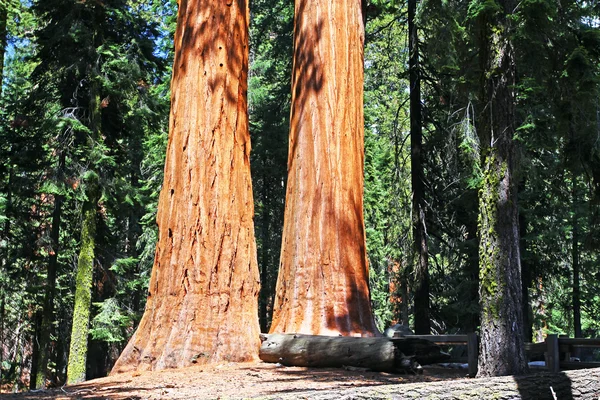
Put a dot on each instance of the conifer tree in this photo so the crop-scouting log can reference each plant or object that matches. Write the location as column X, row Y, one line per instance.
column 269, row 109
column 422, row 318
column 94, row 61
column 202, row 304
column 322, row 287
column 502, row 350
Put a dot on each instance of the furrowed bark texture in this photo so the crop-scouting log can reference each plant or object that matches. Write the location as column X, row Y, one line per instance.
column 322, row 286
column 572, row 385
column 202, row 303
column 502, row 349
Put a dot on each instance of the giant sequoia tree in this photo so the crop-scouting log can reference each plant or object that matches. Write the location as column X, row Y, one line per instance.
column 502, row 345
column 322, row 286
column 202, row 302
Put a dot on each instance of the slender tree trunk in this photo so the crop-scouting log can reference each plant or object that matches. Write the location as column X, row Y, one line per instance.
column 78, row 349
column 76, row 369
column 3, row 40
column 265, row 294
column 404, row 310
column 472, row 323
column 48, row 307
column 575, row 255
column 4, row 236
column 396, row 295
column 502, row 349
column 422, row 322
column 135, row 214
column 540, row 311
column 322, row 287
column 526, row 281
column 203, row 296
column 35, row 347
column 62, row 343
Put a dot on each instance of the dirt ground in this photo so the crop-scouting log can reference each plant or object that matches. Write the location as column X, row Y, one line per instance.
column 230, row 381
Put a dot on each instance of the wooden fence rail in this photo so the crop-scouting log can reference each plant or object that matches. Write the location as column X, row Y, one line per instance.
column 470, row 340
column 552, row 349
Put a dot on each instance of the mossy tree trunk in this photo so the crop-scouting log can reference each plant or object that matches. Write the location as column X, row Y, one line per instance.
column 203, row 296
column 83, row 291
column 502, row 345
column 78, row 349
column 322, row 287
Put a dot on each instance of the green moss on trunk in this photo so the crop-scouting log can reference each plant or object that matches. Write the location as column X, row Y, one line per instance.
column 489, row 249
column 83, row 290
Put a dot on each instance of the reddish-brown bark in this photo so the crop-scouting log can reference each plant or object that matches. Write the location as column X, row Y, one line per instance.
column 203, row 295
column 323, row 279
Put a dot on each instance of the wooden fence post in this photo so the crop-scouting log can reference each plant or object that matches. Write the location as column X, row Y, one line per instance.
column 472, row 353
column 552, row 353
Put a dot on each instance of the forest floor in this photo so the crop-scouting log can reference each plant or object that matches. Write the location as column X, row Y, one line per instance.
column 231, row 381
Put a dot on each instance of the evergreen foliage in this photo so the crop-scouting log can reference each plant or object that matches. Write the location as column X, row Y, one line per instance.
column 269, row 104
column 62, row 57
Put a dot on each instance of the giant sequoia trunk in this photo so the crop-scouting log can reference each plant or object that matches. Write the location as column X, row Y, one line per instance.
column 322, row 286
column 502, row 349
column 202, row 304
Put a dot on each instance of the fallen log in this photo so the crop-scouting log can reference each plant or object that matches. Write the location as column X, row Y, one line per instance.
column 570, row 385
column 374, row 353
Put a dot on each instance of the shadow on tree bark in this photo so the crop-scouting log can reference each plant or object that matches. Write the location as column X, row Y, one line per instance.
column 203, row 294
column 322, row 286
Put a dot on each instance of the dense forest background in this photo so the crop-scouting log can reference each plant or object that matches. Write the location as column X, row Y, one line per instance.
column 84, row 116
